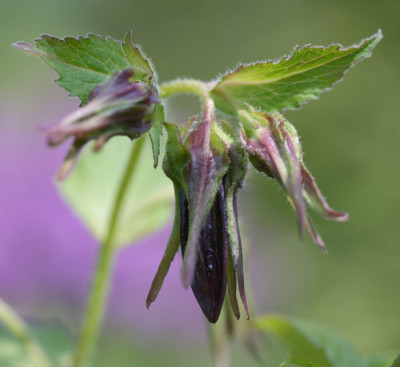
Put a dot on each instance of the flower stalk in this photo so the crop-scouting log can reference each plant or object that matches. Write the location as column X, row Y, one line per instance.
column 104, row 270
column 18, row 328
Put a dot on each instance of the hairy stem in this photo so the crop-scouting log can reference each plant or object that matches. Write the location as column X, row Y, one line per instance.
column 191, row 86
column 104, row 269
column 17, row 327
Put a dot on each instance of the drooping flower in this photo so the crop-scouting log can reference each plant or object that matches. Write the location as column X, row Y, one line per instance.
column 118, row 107
column 274, row 148
column 206, row 169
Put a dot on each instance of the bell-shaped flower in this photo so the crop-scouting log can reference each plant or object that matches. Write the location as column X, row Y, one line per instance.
column 118, row 107
column 201, row 162
column 274, row 148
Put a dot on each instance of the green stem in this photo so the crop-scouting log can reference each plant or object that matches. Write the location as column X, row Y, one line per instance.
column 220, row 336
column 104, row 269
column 191, row 86
column 17, row 327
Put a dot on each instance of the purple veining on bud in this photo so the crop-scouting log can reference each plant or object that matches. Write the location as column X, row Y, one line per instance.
column 274, row 148
column 117, row 107
column 210, row 279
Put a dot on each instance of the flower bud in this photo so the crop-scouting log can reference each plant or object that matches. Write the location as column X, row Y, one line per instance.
column 209, row 280
column 274, row 148
column 206, row 170
column 117, row 107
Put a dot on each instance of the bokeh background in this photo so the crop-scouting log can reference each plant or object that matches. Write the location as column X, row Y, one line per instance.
column 350, row 137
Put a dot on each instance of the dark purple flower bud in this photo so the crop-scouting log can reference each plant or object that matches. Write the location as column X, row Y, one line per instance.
column 206, row 170
column 209, row 281
column 117, row 107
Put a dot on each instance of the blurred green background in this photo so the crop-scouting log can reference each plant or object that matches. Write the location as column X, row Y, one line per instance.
column 350, row 138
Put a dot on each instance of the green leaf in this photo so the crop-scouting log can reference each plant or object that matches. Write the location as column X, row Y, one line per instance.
column 292, row 81
column 156, row 131
column 383, row 360
column 54, row 339
column 82, row 63
column 91, row 188
column 310, row 344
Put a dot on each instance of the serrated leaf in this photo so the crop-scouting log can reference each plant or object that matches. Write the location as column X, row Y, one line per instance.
column 292, row 81
column 156, row 131
column 310, row 344
column 91, row 188
column 82, row 63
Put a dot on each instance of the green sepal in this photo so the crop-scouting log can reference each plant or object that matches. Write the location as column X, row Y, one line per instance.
column 169, row 254
column 135, row 57
column 231, row 278
column 177, row 157
column 158, row 119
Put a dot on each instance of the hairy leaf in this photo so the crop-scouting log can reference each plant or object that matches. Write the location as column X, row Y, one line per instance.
column 82, row 63
column 92, row 186
column 292, row 81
